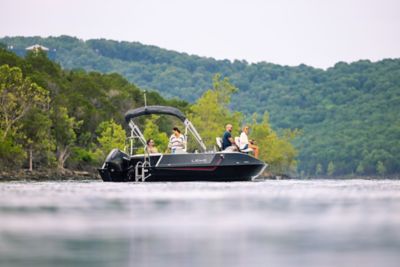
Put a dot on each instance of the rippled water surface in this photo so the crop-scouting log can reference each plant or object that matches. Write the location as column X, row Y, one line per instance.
column 268, row 223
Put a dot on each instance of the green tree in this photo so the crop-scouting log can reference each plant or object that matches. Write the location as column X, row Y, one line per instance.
column 37, row 138
column 12, row 154
column 17, row 96
column 380, row 168
column 40, row 63
column 64, row 128
column 331, row 168
column 210, row 113
column 277, row 151
column 360, row 168
column 110, row 135
column 318, row 169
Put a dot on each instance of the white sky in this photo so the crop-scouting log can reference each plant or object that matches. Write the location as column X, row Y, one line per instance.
column 287, row 32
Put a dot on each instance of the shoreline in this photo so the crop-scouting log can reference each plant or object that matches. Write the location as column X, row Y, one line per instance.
column 48, row 175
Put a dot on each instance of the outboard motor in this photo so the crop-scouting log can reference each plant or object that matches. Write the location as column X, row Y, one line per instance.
column 115, row 167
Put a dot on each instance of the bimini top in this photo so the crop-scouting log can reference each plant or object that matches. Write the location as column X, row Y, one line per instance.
column 148, row 110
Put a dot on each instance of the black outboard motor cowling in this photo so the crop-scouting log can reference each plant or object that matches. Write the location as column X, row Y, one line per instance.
column 115, row 167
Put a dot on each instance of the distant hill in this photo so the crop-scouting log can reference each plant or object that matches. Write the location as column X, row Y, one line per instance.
column 349, row 114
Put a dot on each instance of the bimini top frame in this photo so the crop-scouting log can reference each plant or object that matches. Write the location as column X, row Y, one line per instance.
column 148, row 110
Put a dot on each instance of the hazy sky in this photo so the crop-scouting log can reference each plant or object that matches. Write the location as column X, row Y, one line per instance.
column 287, row 32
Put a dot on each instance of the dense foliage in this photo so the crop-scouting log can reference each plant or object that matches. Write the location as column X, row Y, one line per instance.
column 55, row 118
column 348, row 114
column 211, row 112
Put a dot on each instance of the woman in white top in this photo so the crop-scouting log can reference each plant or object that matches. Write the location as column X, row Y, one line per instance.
column 176, row 141
column 245, row 143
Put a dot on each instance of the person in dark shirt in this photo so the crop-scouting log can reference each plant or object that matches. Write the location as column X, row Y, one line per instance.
column 227, row 140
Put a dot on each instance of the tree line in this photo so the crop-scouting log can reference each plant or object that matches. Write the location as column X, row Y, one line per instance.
column 348, row 114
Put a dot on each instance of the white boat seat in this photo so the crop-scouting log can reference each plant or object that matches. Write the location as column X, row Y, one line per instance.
column 219, row 143
column 179, row 151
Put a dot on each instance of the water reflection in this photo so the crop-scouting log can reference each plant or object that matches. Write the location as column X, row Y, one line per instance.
column 274, row 223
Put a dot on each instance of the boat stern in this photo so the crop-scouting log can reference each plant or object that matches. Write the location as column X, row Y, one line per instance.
column 115, row 167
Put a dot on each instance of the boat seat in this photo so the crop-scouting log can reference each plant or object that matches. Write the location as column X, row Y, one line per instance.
column 180, row 151
column 219, row 143
column 237, row 141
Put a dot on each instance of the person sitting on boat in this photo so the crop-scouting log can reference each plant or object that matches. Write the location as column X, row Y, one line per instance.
column 150, row 146
column 227, row 141
column 245, row 143
column 176, row 141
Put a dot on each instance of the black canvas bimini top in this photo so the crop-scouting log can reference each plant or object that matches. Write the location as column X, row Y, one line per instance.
column 148, row 110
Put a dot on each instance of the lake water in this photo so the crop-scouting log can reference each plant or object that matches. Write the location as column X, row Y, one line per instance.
column 268, row 223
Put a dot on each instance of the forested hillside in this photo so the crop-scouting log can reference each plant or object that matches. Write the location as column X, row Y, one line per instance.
column 348, row 114
column 52, row 118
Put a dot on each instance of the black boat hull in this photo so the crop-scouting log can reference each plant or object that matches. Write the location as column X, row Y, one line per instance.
column 220, row 167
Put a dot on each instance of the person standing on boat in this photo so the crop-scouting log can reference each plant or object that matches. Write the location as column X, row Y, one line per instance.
column 176, row 141
column 150, row 146
column 245, row 143
column 227, row 141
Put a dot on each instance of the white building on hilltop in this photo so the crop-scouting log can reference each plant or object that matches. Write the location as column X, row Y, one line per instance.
column 37, row 47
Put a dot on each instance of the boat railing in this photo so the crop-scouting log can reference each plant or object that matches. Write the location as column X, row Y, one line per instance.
column 192, row 129
column 135, row 134
column 142, row 168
